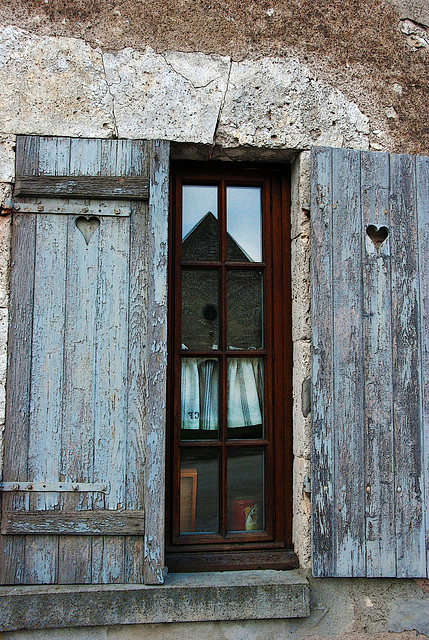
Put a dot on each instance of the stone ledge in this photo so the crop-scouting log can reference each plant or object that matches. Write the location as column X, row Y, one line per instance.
column 239, row 595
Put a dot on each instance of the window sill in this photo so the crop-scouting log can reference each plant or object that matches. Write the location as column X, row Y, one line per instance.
column 238, row 595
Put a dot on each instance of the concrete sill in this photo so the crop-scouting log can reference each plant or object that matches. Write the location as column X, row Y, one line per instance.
column 192, row 597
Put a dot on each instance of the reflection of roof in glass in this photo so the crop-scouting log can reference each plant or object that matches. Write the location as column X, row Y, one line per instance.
column 208, row 226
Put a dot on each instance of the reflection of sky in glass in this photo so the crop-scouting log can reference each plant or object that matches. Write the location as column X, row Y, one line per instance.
column 244, row 219
column 197, row 201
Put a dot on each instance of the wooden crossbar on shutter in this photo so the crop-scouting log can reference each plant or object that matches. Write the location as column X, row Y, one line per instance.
column 370, row 362
column 86, row 365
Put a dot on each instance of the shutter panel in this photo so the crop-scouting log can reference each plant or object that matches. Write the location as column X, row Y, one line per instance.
column 82, row 412
column 370, row 324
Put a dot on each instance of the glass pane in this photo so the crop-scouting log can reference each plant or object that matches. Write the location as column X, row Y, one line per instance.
column 199, row 491
column 200, row 223
column 245, row 398
column 200, row 398
column 245, row 309
column 200, row 310
column 244, row 224
column 246, row 490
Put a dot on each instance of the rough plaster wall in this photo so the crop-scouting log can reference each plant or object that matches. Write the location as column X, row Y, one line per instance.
column 301, row 337
column 357, row 46
column 63, row 86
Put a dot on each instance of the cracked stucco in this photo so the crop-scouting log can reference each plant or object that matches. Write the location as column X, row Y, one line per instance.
column 63, row 86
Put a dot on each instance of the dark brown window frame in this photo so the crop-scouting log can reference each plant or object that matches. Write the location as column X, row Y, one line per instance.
column 273, row 547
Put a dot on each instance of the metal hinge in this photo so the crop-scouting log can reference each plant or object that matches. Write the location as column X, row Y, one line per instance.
column 69, row 207
column 98, row 487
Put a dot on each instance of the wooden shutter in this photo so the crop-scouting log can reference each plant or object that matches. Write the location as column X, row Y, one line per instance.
column 84, row 442
column 370, row 323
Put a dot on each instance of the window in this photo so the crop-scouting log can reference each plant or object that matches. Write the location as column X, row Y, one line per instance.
column 230, row 369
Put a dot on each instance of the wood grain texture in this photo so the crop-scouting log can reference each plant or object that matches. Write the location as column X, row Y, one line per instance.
column 157, row 363
column 410, row 538
column 47, row 379
column 383, row 352
column 422, row 180
column 77, row 442
column 74, row 523
column 378, row 383
column 27, row 155
column 323, row 487
column 348, row 363
column 18, row 386
column 110, row 374
column 131, row 188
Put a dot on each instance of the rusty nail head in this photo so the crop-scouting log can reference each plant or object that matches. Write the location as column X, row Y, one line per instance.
column 16, row 207
column 117, row 211
column 40, row 207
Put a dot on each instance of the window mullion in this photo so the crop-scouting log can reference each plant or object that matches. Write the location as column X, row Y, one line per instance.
column 223, row 387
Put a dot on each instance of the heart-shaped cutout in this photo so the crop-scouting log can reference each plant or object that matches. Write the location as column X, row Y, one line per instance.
column 377, row 234
column 87, row 226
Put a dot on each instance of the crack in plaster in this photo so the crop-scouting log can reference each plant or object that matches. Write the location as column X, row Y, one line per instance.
column 195, row 86
column 221, row 106
column 115, row 125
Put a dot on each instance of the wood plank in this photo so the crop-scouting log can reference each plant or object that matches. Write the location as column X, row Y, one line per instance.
column 232, row 561
column 74, row 560
column 73, row 523
column 111, row 379
column 77, row 442
column 47, row 381
column 18, row 385
column 108, row 560
column 378, row 387
column 137, row 384
column 137, row 375
column 27, row 155
column 324, row 555
column 157, row 363
column 422, row 180
column 54, row 157
column 348, row 364
column 85, row 157
column 128, row 188
column 410, row 534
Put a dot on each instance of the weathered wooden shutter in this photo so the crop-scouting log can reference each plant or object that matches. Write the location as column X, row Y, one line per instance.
column 370, row 317
column 82, row 498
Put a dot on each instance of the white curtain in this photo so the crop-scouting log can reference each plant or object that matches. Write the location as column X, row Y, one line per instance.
column 200, row 383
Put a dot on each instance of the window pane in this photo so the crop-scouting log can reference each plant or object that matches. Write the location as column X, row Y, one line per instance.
column 199, row 492
column 200, row 310
column 245, row 398
column 246, row 490
column 200, row 398
column 200, row 235
column 244, row 224
column 245, row 309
